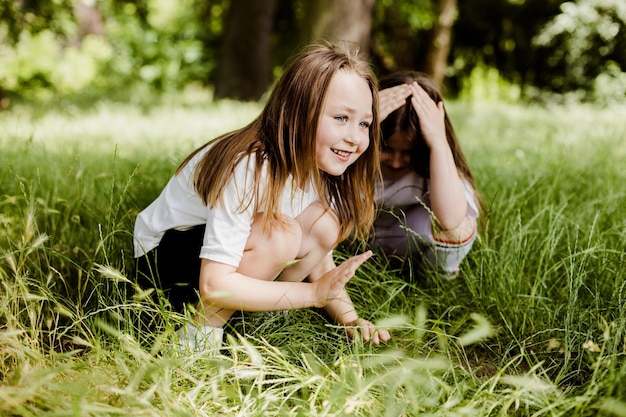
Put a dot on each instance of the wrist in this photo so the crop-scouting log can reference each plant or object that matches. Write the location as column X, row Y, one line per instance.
column 438, row 144
column 349, row 320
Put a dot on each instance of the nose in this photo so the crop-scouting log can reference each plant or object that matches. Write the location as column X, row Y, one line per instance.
column 396, row 160
column 352, row 139
column 354, row 135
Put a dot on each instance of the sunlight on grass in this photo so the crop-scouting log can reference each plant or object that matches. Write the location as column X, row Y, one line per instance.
column 535, row 324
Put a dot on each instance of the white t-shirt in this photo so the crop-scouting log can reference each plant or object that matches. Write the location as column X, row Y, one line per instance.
column 407, row 190
column 227, row 229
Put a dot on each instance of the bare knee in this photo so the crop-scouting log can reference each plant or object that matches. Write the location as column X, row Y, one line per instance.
column 320, row 227
column 280, row 241
column 268, row 250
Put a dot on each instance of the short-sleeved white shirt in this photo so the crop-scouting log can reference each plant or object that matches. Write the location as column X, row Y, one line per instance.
column 406, row 191
column 179, row 207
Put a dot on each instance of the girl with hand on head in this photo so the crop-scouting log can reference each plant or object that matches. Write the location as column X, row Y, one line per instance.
column 249, row 221
column 428, row 204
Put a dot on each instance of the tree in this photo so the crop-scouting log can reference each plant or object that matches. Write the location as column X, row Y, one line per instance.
column 346, row 20
column 440, row 44
column 243, row 69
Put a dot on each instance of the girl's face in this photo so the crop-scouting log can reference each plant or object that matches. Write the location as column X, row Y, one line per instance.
column 343, row 131
column 395, row 159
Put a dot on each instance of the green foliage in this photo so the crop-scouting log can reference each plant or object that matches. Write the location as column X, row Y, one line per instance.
column 548, row 48
column 160, row 46
column 588, row 48
column 486, row 84
column 38, row 66
column 34, row 16
column 417, row 14
column 398, row 30
column 164, row 52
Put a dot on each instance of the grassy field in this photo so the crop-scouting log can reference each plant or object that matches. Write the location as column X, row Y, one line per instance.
column 534, row 326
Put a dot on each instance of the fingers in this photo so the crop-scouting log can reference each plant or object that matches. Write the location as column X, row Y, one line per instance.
column 351, row 265
column 390, row 99
column 332, row 283
column 422, row 101
column 431, row 116
column 359, row 259
column 368, row 332
column 384, row 335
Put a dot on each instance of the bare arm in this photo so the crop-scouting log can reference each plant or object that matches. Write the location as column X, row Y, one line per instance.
column 447, row 194
column 342, row 311
column 221, row 285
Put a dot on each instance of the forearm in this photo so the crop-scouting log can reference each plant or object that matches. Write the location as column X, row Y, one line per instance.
column 239, row 292
column 447, row 194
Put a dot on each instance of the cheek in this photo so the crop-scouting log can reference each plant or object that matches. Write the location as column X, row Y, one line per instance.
column 364, row 144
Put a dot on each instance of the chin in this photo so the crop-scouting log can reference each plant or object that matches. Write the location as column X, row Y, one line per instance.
column 334, row 172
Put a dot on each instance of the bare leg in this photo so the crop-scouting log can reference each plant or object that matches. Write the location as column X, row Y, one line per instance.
column 320, row 232
column 266, row 254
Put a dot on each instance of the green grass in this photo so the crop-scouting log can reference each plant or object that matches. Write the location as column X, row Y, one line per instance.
column 535, row 324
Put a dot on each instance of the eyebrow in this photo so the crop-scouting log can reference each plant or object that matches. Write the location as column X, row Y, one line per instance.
column 349, row 109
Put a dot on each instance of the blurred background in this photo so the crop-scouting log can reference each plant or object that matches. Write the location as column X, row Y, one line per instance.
column 514, row 50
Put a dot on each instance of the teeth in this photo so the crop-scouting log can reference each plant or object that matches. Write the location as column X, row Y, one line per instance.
column 341, row 153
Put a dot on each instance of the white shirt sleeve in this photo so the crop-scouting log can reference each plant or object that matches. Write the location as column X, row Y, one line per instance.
column 227, row 227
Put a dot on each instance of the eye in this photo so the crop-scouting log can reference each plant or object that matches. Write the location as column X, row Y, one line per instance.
column 342, row 119
column 365, row 125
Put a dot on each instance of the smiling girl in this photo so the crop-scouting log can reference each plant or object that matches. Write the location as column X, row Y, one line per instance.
column 250, row 220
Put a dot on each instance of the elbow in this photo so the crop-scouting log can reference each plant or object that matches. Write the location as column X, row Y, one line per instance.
column 449, row 224
column 215, row 283
column 451, row 218
column 452, row 221
column 211, row 292
column 460, row 233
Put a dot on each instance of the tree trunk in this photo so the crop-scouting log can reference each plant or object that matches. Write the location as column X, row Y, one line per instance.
column 439, row 49
column 243, row 70
column 349, row 20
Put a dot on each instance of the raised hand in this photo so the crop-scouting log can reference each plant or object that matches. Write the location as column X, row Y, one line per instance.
column 330, row 285
column 391, row 99
column 431, row 116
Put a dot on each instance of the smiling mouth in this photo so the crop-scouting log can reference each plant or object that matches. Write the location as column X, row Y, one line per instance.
column 343, row 154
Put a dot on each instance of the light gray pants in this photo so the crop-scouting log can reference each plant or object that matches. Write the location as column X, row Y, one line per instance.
column 409, row 233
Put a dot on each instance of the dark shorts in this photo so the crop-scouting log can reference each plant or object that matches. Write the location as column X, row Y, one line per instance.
column 174, row 266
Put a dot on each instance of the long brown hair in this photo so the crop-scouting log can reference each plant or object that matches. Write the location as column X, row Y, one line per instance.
column 284, row 137
column 406, row 120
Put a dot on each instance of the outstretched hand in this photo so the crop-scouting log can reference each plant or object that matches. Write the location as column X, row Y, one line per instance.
column 330, row 285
